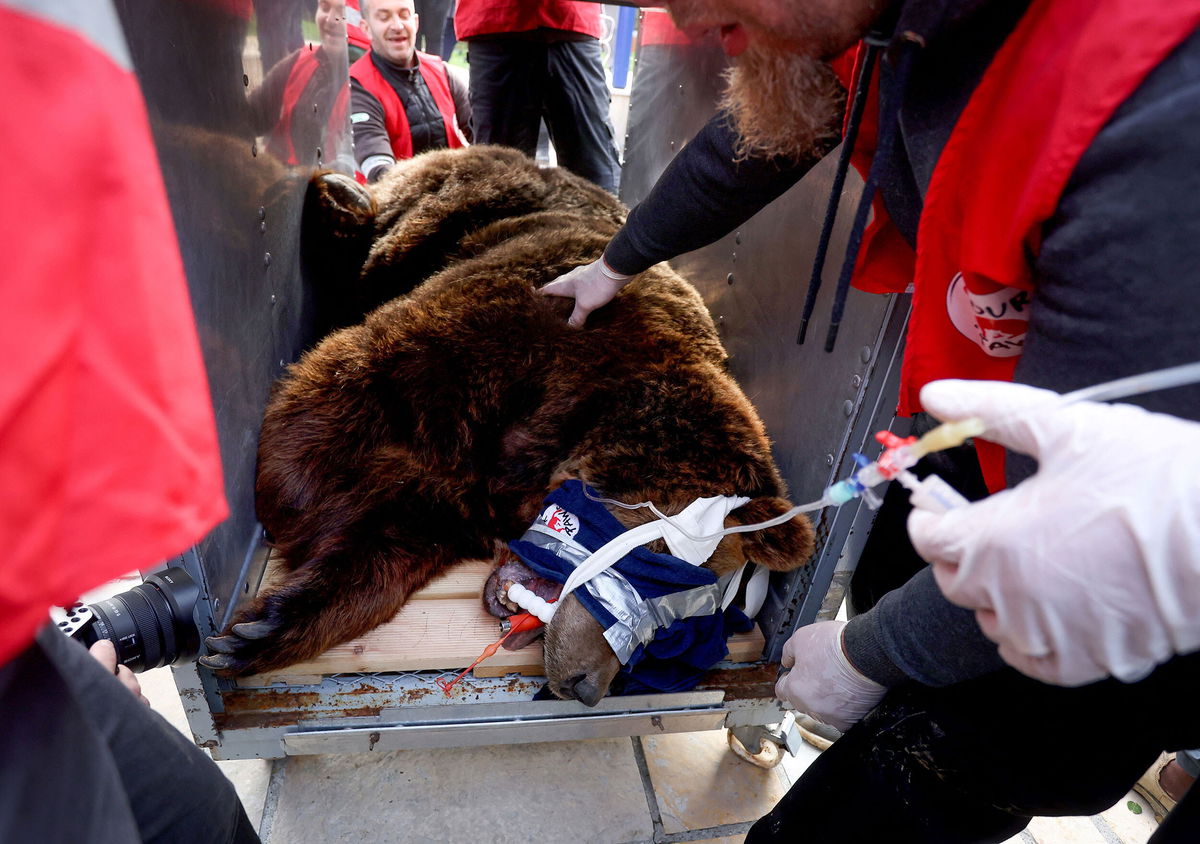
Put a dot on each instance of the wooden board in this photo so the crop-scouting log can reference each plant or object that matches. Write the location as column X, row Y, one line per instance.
column 444, row 626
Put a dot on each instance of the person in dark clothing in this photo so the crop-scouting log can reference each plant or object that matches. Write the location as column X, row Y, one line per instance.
column 402, row 101
column 534, row 62
column 1101, row 273
column 279, row 28
column 434, row 13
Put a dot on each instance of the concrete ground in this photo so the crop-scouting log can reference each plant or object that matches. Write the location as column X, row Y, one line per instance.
column 667, row 788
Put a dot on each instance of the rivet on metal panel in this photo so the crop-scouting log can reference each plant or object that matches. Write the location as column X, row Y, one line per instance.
column 847, row 407
column 737, row 238
column 729, row 278
column 262, row 228
column 266, row 259
column 314, row 108
column 856, row 381
column 262, row 213
column 672, row 145
column 865, row 354
column 681, row 88
column 272, row 298
column 320, row 155
column 828, row 459
column 281, row 361
column 216, row 603
column 245, row 80
column 254, row 149
column 733, row 257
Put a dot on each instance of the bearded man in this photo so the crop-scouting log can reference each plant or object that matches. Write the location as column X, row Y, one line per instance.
column 1032, row 176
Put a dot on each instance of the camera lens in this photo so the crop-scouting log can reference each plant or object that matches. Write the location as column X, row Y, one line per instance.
column 151, row 624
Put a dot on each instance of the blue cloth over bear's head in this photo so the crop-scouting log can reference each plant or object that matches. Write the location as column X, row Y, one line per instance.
column 659, row 650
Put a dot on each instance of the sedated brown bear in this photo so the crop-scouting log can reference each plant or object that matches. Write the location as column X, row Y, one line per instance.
column 429, row 432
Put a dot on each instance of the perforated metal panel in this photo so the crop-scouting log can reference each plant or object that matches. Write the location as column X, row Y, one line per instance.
column 237, row 207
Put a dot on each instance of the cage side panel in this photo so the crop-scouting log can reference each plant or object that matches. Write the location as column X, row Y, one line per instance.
column 236, row 207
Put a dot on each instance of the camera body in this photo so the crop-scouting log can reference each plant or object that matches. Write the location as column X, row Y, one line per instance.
column 150, row 625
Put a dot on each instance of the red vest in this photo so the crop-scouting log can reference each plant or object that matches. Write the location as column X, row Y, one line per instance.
column 433, row 71
column 491, row 17
column 1053, row 85
column 298, row 78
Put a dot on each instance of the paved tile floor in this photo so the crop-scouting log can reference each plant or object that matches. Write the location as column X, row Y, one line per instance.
column 601, row 791
column 674, row 787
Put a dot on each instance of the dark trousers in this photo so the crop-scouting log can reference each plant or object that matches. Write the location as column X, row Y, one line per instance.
column 516, row 83
column 279, row 29
column 973, row 762
column 81, row 759
column 433, row 19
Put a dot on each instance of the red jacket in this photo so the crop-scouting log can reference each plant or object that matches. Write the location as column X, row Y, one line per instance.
column 492, row 17
column 433, row 71
column 1050, row 89
column 108, row 451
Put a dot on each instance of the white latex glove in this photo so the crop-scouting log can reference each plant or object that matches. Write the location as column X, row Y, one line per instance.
column 822, row 682
column 1091, row 567
column 592, row 286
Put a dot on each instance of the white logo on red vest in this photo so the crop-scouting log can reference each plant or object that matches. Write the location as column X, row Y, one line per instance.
column 997, row 321
column 560, row 521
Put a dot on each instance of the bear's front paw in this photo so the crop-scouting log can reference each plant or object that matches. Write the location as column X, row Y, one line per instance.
column 246, row 647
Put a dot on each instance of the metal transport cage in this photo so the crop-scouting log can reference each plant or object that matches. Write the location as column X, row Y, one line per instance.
column 237, row 207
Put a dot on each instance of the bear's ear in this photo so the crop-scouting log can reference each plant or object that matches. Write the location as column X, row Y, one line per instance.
column 337, row 228
column 780, row 548
column 338, row 205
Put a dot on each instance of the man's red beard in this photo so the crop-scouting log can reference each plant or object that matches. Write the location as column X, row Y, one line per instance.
column 782, row 103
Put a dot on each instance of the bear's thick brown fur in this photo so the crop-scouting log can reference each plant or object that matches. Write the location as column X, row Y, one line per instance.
column 433, row 429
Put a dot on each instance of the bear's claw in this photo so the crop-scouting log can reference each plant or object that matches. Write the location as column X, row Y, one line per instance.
column 218, row 661
column 255, row 629
column 244, row 648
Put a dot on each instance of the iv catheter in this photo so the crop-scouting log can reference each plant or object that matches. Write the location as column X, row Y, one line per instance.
column 933, row 493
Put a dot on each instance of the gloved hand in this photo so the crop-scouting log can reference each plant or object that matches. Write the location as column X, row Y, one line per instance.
column 822, row 682
column 1091, row 567
column 592, row 286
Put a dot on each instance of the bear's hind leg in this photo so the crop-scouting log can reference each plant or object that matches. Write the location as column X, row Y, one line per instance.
column 323, row 603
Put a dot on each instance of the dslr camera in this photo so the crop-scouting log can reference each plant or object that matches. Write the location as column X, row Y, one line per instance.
column 150, row 625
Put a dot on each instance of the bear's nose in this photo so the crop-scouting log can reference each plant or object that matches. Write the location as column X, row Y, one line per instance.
column 583, row 689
